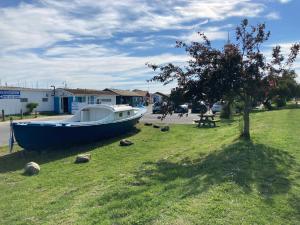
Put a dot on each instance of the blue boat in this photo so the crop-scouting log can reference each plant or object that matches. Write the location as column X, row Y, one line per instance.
column 90, row 124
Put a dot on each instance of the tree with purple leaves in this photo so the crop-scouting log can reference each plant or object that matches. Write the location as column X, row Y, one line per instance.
column 239, row 70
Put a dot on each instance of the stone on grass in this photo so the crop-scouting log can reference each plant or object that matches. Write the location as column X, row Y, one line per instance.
column 156, row 126
column 165, row 128
column 32, row 168
column 83, row 158
column 148, row 124
column 125, row 142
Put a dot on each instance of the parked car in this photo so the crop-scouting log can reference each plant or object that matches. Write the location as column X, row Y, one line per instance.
column 182, row 109
column 217, row 107
column 156, row 108
column 199, row 107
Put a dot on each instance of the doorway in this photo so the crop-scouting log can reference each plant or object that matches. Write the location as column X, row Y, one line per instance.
column 65, row 105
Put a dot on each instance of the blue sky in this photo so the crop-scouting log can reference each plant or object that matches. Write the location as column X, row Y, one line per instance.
column 99, row 44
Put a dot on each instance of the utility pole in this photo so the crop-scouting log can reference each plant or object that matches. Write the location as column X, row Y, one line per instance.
column 53, row 90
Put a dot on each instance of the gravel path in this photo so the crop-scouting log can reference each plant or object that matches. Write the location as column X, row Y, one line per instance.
column 170, row 119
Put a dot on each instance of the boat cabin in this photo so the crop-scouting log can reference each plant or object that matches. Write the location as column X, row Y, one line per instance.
column 103, row 113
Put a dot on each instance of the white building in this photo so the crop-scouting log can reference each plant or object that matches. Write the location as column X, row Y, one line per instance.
column 159, row 97
column 68, row 100
column 13, row 100
column 127, row 97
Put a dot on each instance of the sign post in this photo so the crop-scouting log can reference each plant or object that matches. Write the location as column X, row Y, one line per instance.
column 3, row 115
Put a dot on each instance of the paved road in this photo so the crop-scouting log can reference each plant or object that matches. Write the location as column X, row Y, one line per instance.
column 170, row 119
column 4, row 127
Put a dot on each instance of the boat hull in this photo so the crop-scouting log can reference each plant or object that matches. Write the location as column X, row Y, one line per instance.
column 36, row 137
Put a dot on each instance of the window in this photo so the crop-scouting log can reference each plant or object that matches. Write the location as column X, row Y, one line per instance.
column 45, row 99
column 106, row 100
column 91, row 99
column 23, row 99
column 128, row 113
column 79, row 99
column 98, row 101
column 120, row 114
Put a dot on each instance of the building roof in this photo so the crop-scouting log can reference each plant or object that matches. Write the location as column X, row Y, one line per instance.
column 81, row 91
column 123, row 92
column 161, row 94
column 141, row 92
column 23, row 88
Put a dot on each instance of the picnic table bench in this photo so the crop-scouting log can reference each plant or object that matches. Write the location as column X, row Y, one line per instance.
column 207, row 120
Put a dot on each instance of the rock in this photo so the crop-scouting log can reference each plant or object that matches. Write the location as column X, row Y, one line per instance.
column 32, row 168
column 165, row 128
column 83, row 158
column 148, row 124
column 125, row 142
column 156, row 126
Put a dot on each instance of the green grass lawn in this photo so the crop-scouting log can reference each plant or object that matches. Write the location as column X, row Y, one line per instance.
column 188, row 175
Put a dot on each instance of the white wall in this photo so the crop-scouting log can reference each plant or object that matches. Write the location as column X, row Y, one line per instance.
column 14, row 106
column 77, row 106
column 10, row 106
column 36, row 97
column 156, row 98
column 103, row 99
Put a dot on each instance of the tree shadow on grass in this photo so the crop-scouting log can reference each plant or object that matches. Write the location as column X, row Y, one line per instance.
column 253, row 167
column 294, row 201
column 17, row 160
column 243, row 163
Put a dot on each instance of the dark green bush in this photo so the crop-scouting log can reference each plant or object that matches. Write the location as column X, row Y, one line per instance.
column 280, row 102
column 268, row 105
column 31, row 106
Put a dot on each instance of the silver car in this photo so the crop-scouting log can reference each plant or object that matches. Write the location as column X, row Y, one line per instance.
column 217, row 107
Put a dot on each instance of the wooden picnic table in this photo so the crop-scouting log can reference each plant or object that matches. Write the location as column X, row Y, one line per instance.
column 207, row 119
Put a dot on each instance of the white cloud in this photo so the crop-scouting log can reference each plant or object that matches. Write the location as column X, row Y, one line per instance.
column 52, row 21
column 89, row 72
column 212, row 33
column 284, row 1
column 139, row 42
column 69, row 37
column 273, row 16
column 218, row 10
column 81, row 50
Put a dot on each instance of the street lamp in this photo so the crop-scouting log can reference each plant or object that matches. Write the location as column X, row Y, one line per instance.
column 53, row 89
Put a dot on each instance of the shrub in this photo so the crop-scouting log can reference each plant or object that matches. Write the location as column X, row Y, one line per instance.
column 31, row 106
column 268, row 105
column 280, row 102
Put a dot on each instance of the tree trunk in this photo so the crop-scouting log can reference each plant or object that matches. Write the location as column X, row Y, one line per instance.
column 246, row 117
